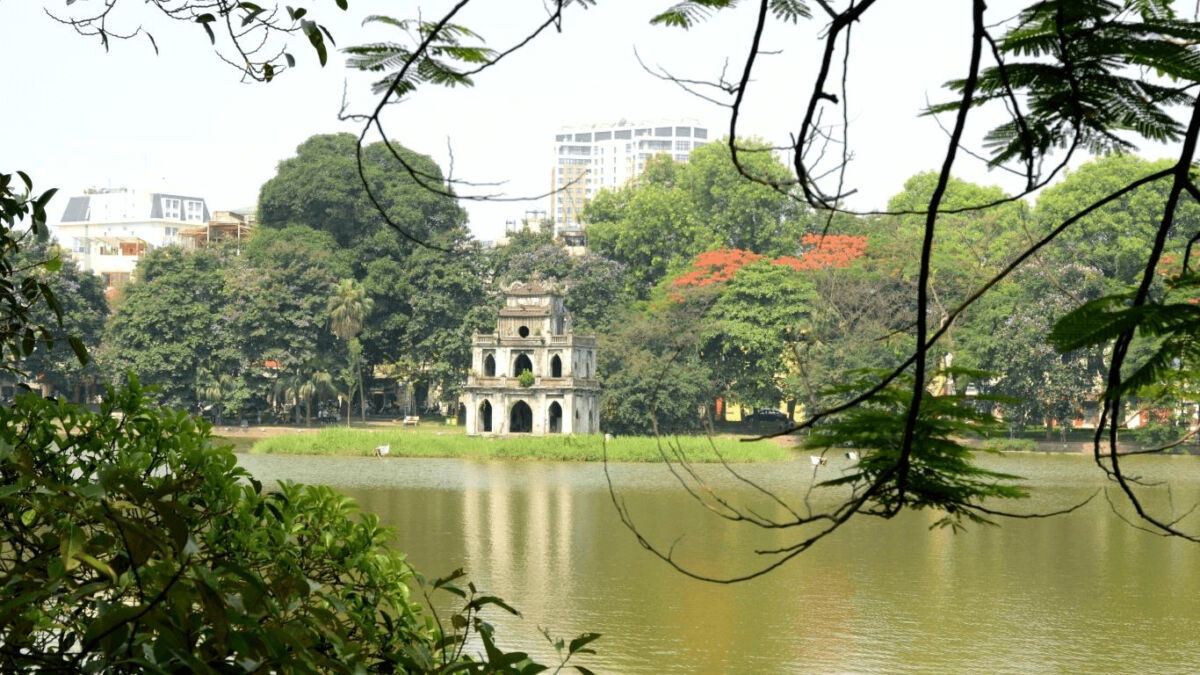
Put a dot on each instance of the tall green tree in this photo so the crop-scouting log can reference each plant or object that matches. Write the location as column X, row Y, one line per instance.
column 320, row 187
column 753, row 324
column 1117, row 237
column 169, row 328
column 654, row 379
column 349, row 307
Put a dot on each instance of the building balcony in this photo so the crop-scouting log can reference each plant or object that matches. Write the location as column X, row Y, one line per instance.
column 564, row 340
column 539, row 382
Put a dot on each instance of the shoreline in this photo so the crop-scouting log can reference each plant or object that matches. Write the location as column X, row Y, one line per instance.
column 451, row 442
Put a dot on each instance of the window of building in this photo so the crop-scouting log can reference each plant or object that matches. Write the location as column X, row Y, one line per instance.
column 683, row 131
column 583, row 137
column 697, row 132
column 171, row 208
column 115, row 279
column 603, row 136
column 642, row 132
column 681, row 158
column 562, row 137
column 685, row 146
column 662, row 131
column 195, row 210
column 622, row 135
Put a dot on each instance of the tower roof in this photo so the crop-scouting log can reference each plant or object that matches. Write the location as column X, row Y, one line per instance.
column 535, row 286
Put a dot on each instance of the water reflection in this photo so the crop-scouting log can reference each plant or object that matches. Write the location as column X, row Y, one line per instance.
column 1082, row 592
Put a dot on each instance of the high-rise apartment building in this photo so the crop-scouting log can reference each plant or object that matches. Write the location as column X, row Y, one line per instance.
column 590, row 158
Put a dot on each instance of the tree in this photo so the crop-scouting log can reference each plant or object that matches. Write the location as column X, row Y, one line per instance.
column 133, row 544
column 320, row 188
column 1116, row 238
column 673, row 400
column 675, row 211
column 276, row 301
column 80, row 298
column 349, row 307
column 426, row 310
column 1008, row 339
column 168, row 329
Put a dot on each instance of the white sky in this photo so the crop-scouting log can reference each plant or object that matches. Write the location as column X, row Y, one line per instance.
column 181, row 121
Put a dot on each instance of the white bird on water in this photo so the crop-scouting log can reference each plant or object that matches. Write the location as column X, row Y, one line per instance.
column 817, row 460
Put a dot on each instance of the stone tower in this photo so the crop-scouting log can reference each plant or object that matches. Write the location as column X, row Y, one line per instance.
column 534, row 334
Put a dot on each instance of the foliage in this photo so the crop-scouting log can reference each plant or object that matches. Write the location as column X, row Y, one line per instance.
column 320, row 187
column 1085, row 76
column 653, row 379
column 821, row 252
column 21, row 294
column 571, row 448
column 195, row 317
column 130, row 543
column 1173, row 324
column 253, row 37
column 1011, row 444
column 937, row 474
column 525, row 378
column 426, row 309
column 758, row 315
column 674, row 212
column 1008, row 337
column 1116, row 238
column 82, row 310
column 169, row 329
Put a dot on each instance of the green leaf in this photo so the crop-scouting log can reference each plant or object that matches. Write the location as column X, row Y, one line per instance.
column 97, row 565
column 80, row 350
column 315, row 38
column 581, row 641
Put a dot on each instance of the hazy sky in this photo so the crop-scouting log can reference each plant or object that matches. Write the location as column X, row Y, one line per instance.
column 181, row 121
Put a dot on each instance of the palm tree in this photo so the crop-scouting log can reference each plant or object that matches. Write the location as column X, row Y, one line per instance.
column 216, row 389
column 316, row 381
column 348, row 309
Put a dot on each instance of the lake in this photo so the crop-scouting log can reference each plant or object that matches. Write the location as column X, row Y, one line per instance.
column 1084, row 592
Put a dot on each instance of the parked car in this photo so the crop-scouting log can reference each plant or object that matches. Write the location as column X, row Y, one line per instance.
column 767, row 415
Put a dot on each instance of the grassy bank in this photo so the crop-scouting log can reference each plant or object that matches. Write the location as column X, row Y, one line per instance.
column 588, row 448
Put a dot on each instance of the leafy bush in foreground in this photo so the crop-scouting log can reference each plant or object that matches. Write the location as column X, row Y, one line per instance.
column 129, row 543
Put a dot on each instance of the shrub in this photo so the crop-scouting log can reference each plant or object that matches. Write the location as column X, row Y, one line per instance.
column 525, row 379
column 129, row 543
column 1011, row 444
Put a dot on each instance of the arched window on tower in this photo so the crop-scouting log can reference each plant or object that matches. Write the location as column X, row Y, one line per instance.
column 485, row 416
column 489, row 366
column 522, row 363
column 555, row 366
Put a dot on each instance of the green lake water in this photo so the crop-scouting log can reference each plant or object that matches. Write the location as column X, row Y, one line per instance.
column 1084, row 592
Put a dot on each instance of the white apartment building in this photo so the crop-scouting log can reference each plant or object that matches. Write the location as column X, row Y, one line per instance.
column 594, row 157
column 108, row 230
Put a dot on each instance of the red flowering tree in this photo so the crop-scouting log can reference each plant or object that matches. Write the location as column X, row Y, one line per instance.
column 830, row 251
column 716, row 266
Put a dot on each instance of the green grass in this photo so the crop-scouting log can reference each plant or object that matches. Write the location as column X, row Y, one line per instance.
column 588, row 448
column 239, row 443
